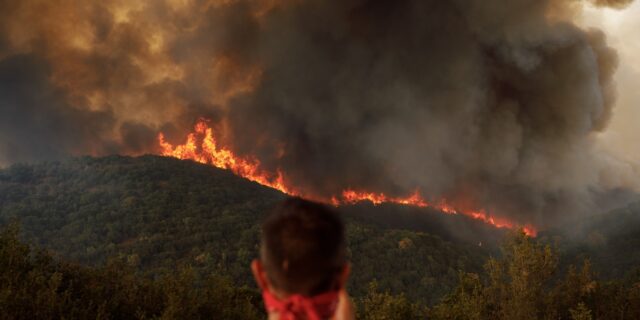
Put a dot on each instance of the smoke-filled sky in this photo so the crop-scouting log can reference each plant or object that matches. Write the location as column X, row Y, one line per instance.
column 622, row 137
column 507, row 105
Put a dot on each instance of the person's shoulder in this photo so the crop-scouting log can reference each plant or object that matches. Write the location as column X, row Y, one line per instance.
column 345, row 310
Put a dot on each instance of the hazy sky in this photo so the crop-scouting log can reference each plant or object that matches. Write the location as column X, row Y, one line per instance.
column 622, row 137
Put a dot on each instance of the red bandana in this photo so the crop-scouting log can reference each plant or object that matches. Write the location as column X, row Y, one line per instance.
column 296, row 307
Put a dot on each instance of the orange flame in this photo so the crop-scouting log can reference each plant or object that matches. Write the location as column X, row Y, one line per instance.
column 350, row 197
column 202, row 147
column 208, row 152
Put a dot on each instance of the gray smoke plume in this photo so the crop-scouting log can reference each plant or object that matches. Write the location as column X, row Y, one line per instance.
column 488, row 103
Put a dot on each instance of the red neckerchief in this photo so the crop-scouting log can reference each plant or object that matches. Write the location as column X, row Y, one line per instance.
column 319, row 307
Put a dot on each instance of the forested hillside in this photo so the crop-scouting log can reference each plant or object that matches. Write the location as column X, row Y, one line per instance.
column 610, row 240
column 155, row 237
column 158, row 214
column 523, row 283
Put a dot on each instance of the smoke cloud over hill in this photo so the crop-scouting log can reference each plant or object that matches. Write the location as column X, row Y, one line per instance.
column 488, row 103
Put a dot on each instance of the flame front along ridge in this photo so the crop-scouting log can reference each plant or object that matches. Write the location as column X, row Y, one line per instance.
column 203, row 147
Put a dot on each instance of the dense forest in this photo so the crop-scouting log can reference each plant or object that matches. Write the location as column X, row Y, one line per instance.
column 524, row 283
column 155, row 237
column 159, row 214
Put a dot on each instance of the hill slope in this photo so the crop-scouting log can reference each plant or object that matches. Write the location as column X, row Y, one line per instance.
column 158, row 213
column 611, row 241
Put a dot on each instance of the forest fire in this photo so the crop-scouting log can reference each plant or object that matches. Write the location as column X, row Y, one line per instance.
column 201, row 146
column 415, row 199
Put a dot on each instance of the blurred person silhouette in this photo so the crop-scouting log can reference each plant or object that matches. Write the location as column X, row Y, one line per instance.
column 303, row 269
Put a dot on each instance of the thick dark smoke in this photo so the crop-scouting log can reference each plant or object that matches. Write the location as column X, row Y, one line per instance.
column 36, row 123
column 488, row 103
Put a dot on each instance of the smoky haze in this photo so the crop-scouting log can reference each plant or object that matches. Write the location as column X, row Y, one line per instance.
column 490, row 104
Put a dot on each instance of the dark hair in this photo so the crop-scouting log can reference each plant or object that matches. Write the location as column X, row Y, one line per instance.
column 303, row 247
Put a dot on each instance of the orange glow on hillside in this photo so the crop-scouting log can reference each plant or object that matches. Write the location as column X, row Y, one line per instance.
column 350, row 197
column 201, row 146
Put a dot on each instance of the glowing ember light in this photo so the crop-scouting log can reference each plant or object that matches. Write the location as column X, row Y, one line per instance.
column 350, row 197
column 208, row 152
column 202, row 147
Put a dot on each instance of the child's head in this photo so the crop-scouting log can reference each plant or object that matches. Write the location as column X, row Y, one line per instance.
column 303, row 249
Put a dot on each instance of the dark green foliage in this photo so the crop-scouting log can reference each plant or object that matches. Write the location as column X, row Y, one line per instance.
column 519, row 285
column 611, row 241
column 423, row 267
column 157, row 214
column 580, row 312
column 518, row 281
column 376, row 305
column 156, row 237
column 466, row 302
column 34, row 286
column 523, row 284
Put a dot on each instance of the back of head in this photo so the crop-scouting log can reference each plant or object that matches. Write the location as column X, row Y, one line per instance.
column 303, row 247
